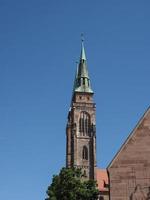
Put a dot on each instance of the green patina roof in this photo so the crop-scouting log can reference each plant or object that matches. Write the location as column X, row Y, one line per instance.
column 83, row 57
column 82, row 80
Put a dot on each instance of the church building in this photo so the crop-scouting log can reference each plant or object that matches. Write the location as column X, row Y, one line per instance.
column 128, row 175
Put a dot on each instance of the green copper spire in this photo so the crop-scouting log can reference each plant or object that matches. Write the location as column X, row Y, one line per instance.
column 82, row 80
column 82, row 57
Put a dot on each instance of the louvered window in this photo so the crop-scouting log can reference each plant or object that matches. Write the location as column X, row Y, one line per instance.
column 84, row 124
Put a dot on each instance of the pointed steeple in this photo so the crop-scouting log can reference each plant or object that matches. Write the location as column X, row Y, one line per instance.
column 76, row 74
column 82, row 57
column 82, row 80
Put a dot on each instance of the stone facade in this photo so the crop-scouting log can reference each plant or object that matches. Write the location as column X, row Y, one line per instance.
column 129, row 172
column 79, row 140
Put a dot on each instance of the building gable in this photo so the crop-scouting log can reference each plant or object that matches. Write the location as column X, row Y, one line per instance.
column 129, row 171
column 138, row 135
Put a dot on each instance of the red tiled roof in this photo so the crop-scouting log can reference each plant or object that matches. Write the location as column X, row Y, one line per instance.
column 102, row 179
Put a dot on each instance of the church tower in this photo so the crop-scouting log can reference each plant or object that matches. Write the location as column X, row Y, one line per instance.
column 81, row 125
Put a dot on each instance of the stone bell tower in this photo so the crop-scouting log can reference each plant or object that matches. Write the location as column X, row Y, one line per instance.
column 81, row 125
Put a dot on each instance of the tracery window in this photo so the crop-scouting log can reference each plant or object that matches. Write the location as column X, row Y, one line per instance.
column 85, row 153
column 84, row 124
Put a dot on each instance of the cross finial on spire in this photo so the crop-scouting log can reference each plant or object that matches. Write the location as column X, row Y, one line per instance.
column 82, row 57
column 82, row 37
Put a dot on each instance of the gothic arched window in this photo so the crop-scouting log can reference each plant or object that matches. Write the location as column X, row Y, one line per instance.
column 85, row 153
column 84, row 124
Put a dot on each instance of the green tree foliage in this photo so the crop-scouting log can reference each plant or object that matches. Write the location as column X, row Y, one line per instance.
column 69, row 185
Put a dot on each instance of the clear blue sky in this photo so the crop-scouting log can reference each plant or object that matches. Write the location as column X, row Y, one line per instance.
column 39, row 45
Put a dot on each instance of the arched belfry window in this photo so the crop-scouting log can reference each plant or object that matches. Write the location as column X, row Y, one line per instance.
column 85, row 153
column 84, row 124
